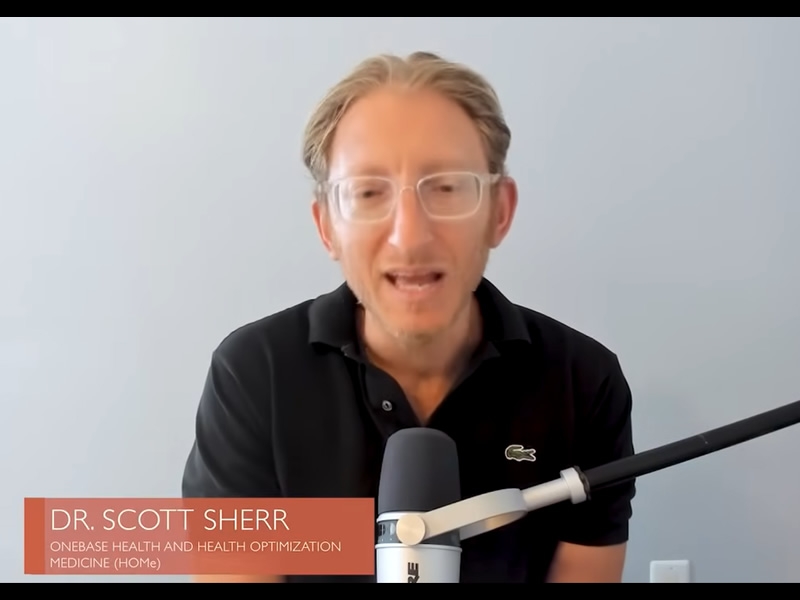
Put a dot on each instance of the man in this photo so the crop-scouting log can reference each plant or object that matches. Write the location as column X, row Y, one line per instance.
column 412, row 195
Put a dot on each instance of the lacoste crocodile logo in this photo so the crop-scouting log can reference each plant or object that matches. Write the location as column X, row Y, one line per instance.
column 519, row 453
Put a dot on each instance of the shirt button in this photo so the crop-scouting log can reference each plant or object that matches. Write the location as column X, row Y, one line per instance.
column 386, row 405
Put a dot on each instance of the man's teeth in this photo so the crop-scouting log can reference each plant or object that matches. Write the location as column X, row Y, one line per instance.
column 414, row 281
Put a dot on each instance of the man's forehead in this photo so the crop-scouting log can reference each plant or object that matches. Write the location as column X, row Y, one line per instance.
column 385, row 134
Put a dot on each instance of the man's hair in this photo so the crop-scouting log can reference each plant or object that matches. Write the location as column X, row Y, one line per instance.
column 459, row 83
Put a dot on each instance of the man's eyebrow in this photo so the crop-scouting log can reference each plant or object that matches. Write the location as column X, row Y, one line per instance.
column 427, row 168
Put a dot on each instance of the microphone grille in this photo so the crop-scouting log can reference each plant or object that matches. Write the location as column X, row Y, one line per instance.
column 420, row 471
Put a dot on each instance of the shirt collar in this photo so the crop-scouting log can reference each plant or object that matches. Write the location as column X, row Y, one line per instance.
column 332, row 318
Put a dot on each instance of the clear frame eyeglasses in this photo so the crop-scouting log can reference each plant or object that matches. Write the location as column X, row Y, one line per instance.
column 443, row 196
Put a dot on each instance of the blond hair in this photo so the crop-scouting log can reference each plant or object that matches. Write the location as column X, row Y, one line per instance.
column 461, row 84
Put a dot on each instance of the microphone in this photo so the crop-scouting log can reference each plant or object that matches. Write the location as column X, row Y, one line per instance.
column 418, row 526
column 420, row 473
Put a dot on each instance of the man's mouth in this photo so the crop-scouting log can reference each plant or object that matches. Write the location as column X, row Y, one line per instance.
column 414, row 280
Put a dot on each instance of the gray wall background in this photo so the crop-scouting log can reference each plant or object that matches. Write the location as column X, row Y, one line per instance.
column 153, row 199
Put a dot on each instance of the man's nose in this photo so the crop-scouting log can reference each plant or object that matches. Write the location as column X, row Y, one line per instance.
column 411, row 226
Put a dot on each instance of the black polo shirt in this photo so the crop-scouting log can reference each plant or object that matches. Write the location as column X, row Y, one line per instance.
column 292, row 408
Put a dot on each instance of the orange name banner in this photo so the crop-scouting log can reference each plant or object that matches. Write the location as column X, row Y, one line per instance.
column 208, row 536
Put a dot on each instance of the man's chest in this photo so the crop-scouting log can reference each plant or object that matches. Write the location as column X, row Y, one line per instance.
column 329, row 437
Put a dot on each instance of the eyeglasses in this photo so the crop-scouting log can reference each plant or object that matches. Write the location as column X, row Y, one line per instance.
column 443, row 196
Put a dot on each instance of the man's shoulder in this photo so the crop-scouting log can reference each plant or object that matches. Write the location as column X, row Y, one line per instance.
column 561, row 340
column 582, row 364
column 287, row 327
column 571, row 354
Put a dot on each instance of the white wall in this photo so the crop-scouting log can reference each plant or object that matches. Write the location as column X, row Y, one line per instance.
column 151, row 183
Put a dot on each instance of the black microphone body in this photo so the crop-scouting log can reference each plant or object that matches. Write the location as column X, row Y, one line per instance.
column 420, row 473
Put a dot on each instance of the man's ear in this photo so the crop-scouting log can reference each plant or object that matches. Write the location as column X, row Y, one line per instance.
column 322, row 220
column 504, row 208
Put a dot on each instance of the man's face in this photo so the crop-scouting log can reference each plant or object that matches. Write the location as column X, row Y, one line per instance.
column 414, row 274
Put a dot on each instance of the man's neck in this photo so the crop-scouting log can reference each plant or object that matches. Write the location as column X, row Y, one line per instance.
column 442, row 357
